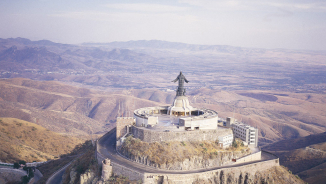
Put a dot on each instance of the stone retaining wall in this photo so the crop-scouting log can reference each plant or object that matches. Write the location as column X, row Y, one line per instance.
column 99, row 158
column 98, row 155
column 249, row 158
column 147, row 135
column 224, row 175
column 125, row 171
column 122, row 123
column 229, row 174
column 197, row 162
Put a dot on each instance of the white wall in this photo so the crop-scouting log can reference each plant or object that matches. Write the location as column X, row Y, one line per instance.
column 249, row 158
column 202, row 123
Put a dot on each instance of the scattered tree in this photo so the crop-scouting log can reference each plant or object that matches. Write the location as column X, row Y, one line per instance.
column 30, row 172
column 22, row 162
column 25, row 179
column 16, row 165
column 235, row 144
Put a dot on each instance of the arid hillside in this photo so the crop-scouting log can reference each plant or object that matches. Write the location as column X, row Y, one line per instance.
column 80, row 111
column 63, row 108
column 304, row 156
column 277, row 115
column 22, row 140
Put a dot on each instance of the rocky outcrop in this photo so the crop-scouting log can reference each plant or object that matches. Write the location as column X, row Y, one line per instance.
column 88, row 178
column 276, row 174
column 73, row 176
column 196, row 162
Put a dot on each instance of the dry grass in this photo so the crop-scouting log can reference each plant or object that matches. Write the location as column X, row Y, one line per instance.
column 22, row 140
column 64, row 108
column 320, row 146
column 171, row 152
column 315, row 175
column 301, row 159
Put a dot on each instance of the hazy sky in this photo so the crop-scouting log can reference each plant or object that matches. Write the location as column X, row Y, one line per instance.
column 293, row 24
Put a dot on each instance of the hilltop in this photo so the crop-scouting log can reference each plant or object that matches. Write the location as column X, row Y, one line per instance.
column 185, row 155
column 22, row 140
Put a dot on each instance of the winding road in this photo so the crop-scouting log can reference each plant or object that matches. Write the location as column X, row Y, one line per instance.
column 56, row 177
column 106, row 147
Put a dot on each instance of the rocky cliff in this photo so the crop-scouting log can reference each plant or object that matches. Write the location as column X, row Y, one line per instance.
column 83, row 170
column 276, row 174
column 183, row 155
column 195, row 162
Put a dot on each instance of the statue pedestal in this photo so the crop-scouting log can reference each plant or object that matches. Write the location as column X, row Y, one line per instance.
column 180, row 107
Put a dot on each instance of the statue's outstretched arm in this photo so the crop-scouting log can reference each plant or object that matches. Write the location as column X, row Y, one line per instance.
column 175, row 80
column 186, row 80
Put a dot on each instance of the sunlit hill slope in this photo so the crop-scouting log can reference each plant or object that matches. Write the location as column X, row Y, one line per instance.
column 22, row 140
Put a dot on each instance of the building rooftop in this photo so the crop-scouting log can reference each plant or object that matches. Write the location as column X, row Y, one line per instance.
column 243, row 125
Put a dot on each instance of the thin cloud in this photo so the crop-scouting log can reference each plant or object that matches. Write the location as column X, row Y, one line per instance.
column 127, row 16
column 218, row 5
column 281, row 13
column 139, row 7
column 293, row 5
column 298, row 6
column 83, row 15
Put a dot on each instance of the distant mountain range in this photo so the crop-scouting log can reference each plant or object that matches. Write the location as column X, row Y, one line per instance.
column 158, row 44
column 116, row 64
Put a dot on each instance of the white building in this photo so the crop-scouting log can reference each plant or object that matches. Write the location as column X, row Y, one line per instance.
column 226, row 140
column 245, row 132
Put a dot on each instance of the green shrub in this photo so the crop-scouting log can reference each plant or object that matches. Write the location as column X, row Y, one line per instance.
column 25, row 179
column 204, row 150
column 30, row 173
column 16, row 166
column 235, row 144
